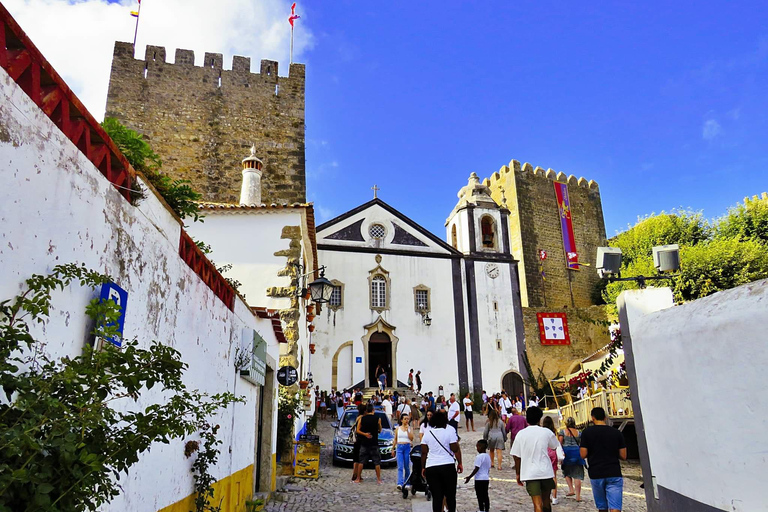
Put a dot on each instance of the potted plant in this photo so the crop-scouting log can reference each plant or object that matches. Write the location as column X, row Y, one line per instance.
column 310, row 317
column 311, row 327
column 303, row 384
column 311, row 348
column 256, row 505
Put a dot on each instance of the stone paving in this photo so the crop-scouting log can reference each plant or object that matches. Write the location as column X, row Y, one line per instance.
column 334, row 492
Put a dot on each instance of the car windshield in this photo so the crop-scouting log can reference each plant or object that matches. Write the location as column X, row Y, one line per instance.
column 349, row 418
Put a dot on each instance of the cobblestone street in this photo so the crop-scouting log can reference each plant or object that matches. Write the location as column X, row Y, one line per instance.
column 334, row 491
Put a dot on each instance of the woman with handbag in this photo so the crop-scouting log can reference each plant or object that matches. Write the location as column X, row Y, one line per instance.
column 440, row 454
column 555, row 456
column 573, row 465
column 496, row 435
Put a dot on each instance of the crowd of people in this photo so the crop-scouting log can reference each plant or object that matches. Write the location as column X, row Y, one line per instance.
column 537, row 448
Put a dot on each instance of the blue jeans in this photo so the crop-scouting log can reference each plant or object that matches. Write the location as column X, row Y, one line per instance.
column 607, row 492
column 403, row 463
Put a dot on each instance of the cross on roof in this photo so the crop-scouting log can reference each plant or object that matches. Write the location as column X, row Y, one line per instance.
column 375, row 189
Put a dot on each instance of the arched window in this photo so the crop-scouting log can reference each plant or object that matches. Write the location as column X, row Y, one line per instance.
column 454, row 238
column 488, row 229
column 378, row 292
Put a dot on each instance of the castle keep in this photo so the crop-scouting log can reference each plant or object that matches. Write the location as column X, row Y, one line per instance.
column 548, row 286
column 202, row 120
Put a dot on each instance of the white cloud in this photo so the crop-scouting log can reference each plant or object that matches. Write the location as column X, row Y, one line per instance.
column 77, row 36
column 711, row 129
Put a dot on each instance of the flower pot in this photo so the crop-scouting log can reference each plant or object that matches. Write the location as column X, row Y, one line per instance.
column 311, row 327
column 310, row 309
column 303, row 384
column 310, row 317
column 311, row 348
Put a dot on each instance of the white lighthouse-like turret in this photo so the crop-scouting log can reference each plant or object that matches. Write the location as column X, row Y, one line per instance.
column 250, row 192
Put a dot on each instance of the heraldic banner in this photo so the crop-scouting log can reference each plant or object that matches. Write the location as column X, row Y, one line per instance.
column 566, row 225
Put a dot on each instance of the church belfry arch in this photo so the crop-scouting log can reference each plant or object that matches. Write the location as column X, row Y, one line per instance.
column 377, row 332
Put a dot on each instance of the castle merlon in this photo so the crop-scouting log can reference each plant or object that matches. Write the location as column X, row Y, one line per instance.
column 549, row 174
column 186, row 58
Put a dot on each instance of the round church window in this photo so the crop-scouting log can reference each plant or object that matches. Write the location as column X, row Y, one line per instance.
column 377, row 231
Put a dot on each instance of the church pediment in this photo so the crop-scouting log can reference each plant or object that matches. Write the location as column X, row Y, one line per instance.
column 377, row 225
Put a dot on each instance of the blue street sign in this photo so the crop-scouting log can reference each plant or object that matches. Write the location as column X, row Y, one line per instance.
column 120, row 296
column 358, row 359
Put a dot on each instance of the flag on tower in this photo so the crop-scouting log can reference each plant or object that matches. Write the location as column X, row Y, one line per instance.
column 293, row 17
column 135, row 14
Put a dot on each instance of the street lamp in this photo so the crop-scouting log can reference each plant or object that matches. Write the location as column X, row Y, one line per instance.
column 321, row 289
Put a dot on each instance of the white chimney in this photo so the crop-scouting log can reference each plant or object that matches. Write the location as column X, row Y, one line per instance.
column 250, row 193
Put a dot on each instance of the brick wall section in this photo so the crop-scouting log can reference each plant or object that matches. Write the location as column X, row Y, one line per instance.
column 202, row 121
column 535, row 224
column 586, row 339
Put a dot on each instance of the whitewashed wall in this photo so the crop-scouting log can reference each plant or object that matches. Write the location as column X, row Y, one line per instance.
column 700, row 374
column 496, row 324
column 55, row 207
column 249, row 242
column 430, row 349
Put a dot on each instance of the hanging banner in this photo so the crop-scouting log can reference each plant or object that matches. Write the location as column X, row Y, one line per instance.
column 553, row 328
column 566, row 226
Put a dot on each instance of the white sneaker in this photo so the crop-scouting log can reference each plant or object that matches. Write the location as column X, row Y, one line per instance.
column 554, row 501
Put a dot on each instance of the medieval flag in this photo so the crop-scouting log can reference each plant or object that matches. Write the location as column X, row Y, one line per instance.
column 566, row 225
column 135, row 14
column 293, row 17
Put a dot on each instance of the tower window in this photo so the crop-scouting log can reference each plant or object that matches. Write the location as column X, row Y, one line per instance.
column 454, row 237
column 488, row 230
column 378, row 292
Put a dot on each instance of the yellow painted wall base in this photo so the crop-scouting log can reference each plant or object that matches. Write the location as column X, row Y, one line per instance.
column 232, row 491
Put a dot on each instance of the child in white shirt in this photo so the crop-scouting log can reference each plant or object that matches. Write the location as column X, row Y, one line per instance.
column 482, row 476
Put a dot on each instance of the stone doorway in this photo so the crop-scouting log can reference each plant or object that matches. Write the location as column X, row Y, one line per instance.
column 379, row 355
column 512, row 382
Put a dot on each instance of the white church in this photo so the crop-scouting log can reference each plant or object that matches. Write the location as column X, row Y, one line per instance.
column 405, row 299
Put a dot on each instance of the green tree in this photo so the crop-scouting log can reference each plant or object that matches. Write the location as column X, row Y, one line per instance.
column 748, row 221
column 70, row 427
column 717, row 265
column 179, row 195
column 712, row 257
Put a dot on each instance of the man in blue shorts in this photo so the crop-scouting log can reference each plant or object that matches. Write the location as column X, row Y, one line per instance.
column 603, row 447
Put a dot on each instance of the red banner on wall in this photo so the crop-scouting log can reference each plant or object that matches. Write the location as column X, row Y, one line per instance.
column 553, row 328
column 566, row 225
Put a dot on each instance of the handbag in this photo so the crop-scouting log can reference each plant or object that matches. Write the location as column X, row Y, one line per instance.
column 572, row 455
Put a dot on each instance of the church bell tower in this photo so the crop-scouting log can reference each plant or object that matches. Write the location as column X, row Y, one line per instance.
column 477, row 224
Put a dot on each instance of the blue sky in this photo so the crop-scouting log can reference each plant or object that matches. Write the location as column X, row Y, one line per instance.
column 663, row 105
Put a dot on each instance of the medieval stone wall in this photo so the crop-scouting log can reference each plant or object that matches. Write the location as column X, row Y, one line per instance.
column 203, row 120
column 586, row 329
column 535, row 224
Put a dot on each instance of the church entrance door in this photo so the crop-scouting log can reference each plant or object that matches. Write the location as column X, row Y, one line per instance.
column 512, row 383
column 379, row 354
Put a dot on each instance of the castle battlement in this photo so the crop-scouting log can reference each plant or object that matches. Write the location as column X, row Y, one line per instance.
column 548, row 174
column 202, row 120
column 213, row 64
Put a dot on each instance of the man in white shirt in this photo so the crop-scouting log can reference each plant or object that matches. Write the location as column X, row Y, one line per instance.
column 532, row 463
column 534, row 401
column 454, row 412
column 387, row 405
column 469, row 416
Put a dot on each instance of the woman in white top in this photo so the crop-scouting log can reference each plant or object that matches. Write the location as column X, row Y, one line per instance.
column 424, row 427
column 439, row 450
column 402, row 450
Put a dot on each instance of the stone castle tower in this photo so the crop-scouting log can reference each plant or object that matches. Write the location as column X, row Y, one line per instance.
column 534, row 223
column 202, row 120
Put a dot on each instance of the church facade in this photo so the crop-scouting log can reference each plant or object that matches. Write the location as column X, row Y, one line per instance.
column 405, row 299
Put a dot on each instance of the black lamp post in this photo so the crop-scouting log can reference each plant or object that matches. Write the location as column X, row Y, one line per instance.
column 321, row 288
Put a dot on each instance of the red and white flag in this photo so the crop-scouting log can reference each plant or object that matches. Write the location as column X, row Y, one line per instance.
column 293, row 17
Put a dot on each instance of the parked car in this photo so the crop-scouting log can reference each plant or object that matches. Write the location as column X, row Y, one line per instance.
column 343, row 440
